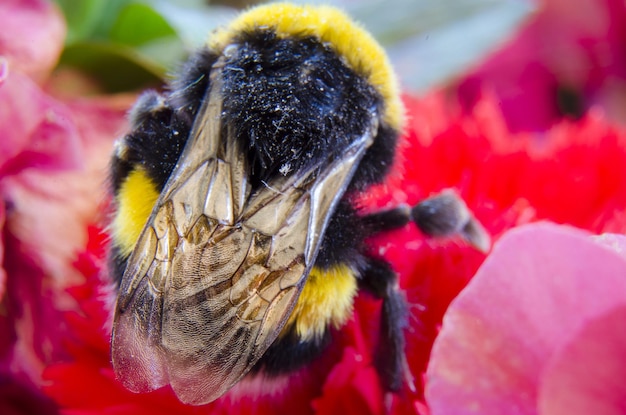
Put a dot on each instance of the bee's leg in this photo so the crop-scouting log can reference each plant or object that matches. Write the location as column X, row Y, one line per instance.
column 160, row 124
column 444, row 214
column 154, row 144
column 390, row 358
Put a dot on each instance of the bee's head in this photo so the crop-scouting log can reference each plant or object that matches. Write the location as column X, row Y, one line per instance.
column 301, row 89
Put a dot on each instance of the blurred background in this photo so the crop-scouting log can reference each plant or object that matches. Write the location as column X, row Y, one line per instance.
column 542, row 59
column 153, row 35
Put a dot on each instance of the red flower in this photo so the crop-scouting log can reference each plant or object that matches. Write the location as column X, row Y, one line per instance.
column 571, row 176
column 18, row 398
column 538, row 330
column 574, row 175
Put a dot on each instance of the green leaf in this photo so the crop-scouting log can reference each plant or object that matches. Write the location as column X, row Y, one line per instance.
column 166, row 53
column 193, row 24
column 138, row 24
column 116, row 67
column 136, row 46
column 89, row 19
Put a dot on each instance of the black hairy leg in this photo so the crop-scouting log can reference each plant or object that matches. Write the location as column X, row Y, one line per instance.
column 390, row 359
column 160, row 124
column 154, row 144
column 444, row 214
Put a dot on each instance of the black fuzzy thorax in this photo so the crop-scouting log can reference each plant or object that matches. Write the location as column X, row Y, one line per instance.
column 293, row 102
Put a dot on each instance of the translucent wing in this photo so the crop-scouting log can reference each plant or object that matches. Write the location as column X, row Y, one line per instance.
column 217, row 270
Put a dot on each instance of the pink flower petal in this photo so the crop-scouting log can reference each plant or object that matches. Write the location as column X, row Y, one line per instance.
column 48, row 213
column 540, row 286
column 613, row 241
column 32, row 36
column 4, row 69
column 3, row 274
column 587, row 376
column 37, row 131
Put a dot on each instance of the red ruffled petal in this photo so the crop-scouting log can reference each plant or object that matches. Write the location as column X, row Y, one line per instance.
column 352, row 387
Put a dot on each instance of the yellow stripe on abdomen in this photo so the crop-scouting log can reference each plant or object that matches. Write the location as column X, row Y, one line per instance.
column 135, row 200
column 326, row 299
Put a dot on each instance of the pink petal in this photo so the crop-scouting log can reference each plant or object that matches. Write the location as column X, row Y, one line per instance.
column 587, row 376
column 540, row 286
column 32, row 36
column 3, row 274
column 48, row 213
column 36, row 130
column 4, row 69
column 613, row 241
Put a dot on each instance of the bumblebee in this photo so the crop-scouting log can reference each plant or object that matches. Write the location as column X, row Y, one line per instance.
column 235, row 243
